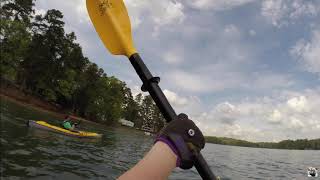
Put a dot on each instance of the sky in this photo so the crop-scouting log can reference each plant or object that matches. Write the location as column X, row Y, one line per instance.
column 247, row 69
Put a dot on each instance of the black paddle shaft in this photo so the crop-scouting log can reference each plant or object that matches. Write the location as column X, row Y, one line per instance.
column 150, row 84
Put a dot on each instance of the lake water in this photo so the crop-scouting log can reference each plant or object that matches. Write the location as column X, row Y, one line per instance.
column 28, row 153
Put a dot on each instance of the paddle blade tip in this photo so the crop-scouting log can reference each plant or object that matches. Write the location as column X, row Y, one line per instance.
column 111, row 21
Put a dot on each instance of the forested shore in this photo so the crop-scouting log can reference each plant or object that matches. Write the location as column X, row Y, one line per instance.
column 301, row 144
column 41, row 60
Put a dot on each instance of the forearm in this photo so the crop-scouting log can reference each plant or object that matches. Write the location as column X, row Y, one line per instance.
column 157, row 164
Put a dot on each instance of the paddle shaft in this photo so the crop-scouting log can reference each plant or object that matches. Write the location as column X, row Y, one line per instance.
column 150, row 84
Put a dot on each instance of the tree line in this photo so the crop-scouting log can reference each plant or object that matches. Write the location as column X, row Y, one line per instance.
column 40, row 57
column 301, row 144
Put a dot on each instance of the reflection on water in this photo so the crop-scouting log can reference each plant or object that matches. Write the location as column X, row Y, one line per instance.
column 37, row 154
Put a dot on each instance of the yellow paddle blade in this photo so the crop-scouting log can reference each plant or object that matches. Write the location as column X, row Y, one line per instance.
column 111, row 21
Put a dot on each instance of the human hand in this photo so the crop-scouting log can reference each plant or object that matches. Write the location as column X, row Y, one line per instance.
column 184, row 138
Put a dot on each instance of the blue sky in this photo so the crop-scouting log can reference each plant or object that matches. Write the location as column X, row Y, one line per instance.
column 246, row 69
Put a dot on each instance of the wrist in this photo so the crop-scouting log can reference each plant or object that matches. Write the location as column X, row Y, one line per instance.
column 169, row 146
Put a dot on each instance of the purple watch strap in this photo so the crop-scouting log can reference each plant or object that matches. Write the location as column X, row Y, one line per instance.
column 172, row 147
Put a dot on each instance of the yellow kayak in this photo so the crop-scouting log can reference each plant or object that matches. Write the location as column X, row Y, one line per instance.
column 46, row 126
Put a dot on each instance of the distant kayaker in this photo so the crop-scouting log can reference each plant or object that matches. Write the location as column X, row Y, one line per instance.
column 67, row 123
column 173, row 148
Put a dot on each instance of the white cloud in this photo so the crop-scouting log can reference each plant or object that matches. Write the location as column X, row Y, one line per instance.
column 168, row 13
column 231, row 29
column 252, row 32
column 309, row 52
column 226, row 113
column 266, row 80
column 39, row 11
column 275, row 116
column 298, row 104
column 295, row 123
column 284, row 12
column 282, row 116
column 220, row 62
column 247, row 133
column 201, row 82
column 175, row 56
column 217, row 4
column 160, row 13
column 73, row 11
column 135, row 9
column 217, row 78
column 274, row 10
column 183, row 103
column 175, row 99
column 81, row 9
column 301, row 8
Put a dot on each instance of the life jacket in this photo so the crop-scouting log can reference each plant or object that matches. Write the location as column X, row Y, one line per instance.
column 66, row 124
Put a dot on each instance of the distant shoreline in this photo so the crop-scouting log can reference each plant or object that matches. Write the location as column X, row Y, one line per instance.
column 299, row 144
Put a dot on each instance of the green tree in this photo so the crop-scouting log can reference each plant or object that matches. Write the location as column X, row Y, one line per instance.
column 14, row 35
column 146, row 112
column 106, row 100
column 88, row 85
column 136, row 111
column 131, row 108
column 151, row 116
column 42, row 68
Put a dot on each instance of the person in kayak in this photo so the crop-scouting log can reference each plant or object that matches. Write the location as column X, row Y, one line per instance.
column 175, row 146
column 67, row 124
